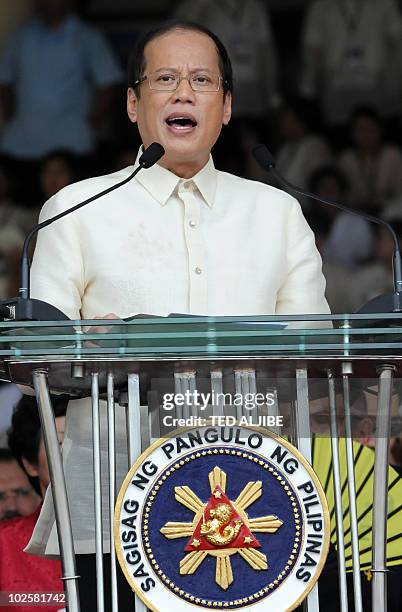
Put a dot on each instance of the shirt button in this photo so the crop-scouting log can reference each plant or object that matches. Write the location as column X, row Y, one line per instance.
column 186, row 185
column 192, row 223
column 198, row 270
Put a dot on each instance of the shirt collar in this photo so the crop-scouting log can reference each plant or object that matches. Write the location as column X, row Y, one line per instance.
column 161, row 183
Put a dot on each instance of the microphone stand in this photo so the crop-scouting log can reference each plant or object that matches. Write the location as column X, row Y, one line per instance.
column 385, row 303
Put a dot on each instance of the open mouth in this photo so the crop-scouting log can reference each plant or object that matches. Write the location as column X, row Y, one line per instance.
column 181, row 123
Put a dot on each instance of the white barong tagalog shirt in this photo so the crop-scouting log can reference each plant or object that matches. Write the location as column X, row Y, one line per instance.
column 215, row 244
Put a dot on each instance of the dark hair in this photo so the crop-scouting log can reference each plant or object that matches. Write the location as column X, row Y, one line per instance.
column 327, row 172
column 68, row 158
column 368, row 112
column 25, row 432
column 136, row 64
column 305, row 110
column 319, row 221
column 6, row 455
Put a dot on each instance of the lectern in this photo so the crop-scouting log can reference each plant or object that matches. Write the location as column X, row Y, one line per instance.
column 137, row 364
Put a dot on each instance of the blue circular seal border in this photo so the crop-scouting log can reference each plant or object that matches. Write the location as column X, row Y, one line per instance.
column 152, row 556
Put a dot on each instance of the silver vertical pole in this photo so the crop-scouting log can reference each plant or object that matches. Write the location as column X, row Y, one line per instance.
column 134, row 440
column 357, row 587
column 97, row 492
column 337, row 494
column 274, row 411
column 217, row 390
column 380, row 506
column 185, row 385
column 302, row 415
column 244, row 385
column 112, row 486
column 59, row 491
column 303, row 443
column 133, row 418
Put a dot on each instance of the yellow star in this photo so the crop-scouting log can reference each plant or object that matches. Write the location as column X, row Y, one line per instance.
column 248, row 540
column 217, row 494
column 195, row 543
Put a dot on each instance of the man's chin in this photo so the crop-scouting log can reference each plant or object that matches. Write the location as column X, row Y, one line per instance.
column 181, row 149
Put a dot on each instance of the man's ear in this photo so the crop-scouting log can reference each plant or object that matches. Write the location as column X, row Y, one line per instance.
column 227, row 108
column 31, row 469
column 132, row 104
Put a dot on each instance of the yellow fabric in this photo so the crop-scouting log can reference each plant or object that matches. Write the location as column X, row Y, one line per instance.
column 364, row 477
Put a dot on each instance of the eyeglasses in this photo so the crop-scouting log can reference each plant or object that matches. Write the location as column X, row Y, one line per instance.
column 170, row 81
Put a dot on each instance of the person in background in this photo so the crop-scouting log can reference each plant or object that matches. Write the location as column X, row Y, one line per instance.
column 344, row 241
column 12, row 14
column 372, row 167
column 19, row 571
column 126, row 156
column 10, row 395
column 57, row 79
column 57, row 170
column 301, row 151
column 363, row 423
column 15, row 222
column 351, row 54
column 375, row 277
column 350, row 239
column 17, row 496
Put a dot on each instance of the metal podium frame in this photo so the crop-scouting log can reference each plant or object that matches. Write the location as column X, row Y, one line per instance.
column 87, row 359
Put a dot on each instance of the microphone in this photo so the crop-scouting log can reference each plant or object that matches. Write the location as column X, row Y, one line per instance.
column 390, row 302
column 24, row 308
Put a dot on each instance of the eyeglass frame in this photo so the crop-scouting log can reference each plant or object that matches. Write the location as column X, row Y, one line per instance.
column 138, row 82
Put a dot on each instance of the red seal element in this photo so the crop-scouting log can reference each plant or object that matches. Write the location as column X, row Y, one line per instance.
column 221, row 527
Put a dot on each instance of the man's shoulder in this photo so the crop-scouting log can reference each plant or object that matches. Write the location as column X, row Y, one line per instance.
column 254, row 191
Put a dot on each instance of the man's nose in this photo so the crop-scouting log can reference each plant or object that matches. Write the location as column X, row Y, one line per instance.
column 184, row 92
column 10, row 503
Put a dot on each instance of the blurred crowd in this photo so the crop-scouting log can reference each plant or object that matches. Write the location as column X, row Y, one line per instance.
column 325, row 96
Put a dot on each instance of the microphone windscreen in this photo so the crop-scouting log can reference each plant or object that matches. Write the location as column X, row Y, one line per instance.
column 262, row 155
column 151, row 155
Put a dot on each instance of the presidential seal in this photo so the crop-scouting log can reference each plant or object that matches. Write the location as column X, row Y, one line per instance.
column 230, row 517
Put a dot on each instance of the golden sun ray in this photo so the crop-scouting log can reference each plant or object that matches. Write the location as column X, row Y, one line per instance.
column 217, row 478
column 192, row 561
column 254, row 558
column 251, row 492
column 265, row 524
column 185, row 496
column 177, row 530
column 223, row 574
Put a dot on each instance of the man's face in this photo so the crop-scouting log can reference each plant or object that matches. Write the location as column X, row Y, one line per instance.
column 183, row 52
column 17, row 497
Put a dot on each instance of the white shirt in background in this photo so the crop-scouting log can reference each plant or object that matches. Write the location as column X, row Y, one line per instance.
column 351, row 55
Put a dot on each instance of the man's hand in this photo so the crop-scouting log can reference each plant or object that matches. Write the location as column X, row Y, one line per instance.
column 102, row 329
column 109, row 315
